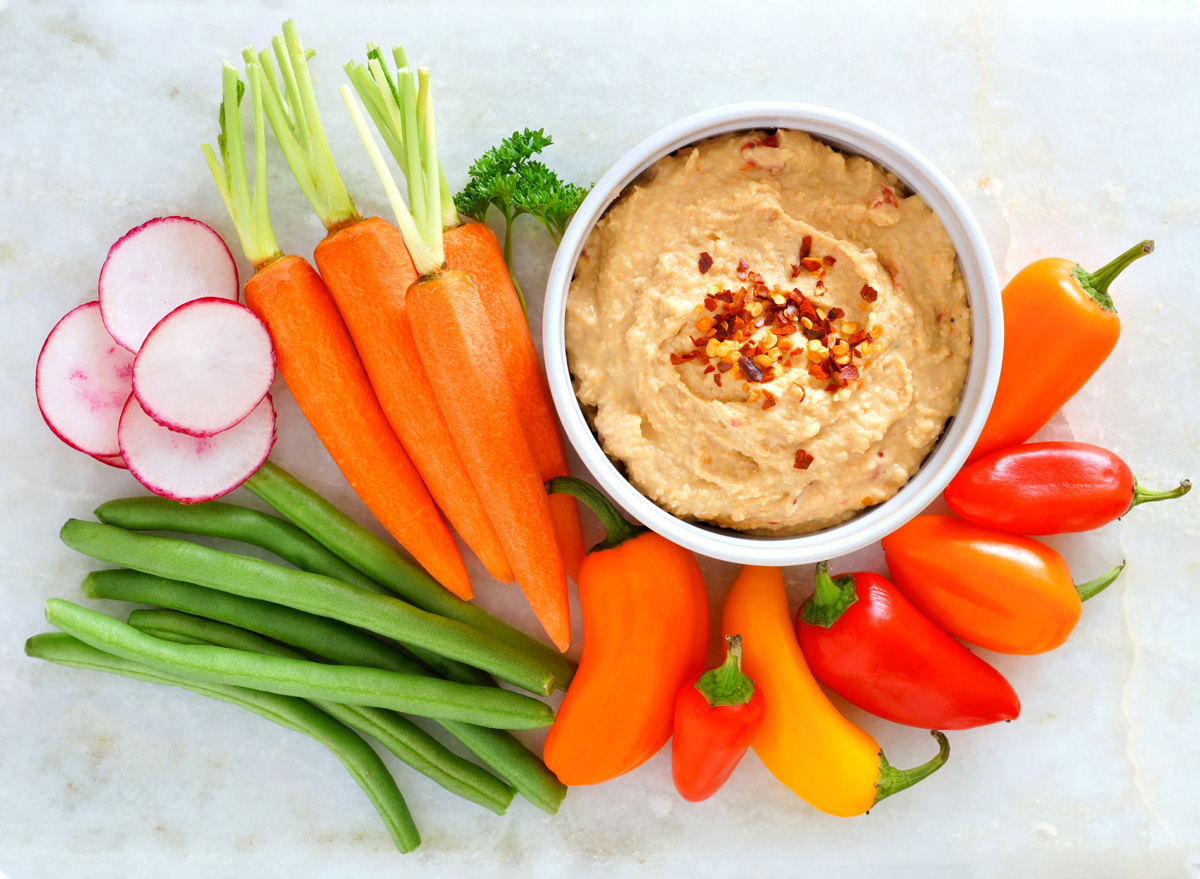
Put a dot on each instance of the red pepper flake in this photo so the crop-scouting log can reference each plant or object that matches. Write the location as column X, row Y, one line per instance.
column 724, row 366
column 710, row 368
column 752, row 372
column 771, row 140
column 743, row 269
column 868, row 293
column 833, row 387
column 859, row 337
column 724, row 296
column 717, row 378
column 835, row 313
column 848, row 372
column 811, row 263
column 803, row 460
column 785, row 330
column 710, row 303
column 819, row 370
column 698, row 343
column 828, row 260
column 705, row 263
column 769, row 400
column 805, row 246
column 795, row 270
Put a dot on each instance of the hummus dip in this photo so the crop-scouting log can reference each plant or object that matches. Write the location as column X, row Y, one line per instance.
column 767, row 333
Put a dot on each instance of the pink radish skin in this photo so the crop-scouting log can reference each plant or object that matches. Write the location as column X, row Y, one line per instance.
column 157, row 267
column 112, row 461
column 83, row 379
column 192, row 469
column 204, row 367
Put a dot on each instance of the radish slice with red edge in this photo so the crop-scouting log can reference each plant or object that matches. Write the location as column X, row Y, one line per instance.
column 82, row 380
column 192, row 469
column 204, row 367
column 157, row 267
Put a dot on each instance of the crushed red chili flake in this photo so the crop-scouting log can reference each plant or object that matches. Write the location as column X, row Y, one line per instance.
column 833, row 387
column 705, row 263
column 710, row 303
column 769, row 400
column 771, row 140
column 819, row 370
column 717, row 378
column 795, row 270
column 805, row 246
column 743, row 269
column 803, row 460
column 811, row 264
column 848, row 372
column 724, row 296
column 828, row 260
column 868, row 293
column 710, row 368
column 749, row 369
column 859, row 337
column 724, row 366
column 835, row 314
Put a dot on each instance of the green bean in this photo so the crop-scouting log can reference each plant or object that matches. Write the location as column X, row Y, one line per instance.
column 254, row 578
column 409, row 694
column 231, row 522
column 413, row 745
column 356, row 755
column 303, row 507
column 339, row 643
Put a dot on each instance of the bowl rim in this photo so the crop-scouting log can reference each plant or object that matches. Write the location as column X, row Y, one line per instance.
column 852, row 135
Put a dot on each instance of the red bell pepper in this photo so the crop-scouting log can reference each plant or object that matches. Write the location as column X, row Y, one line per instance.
column 867, row 643
column 716, row 718
column 1049, row 488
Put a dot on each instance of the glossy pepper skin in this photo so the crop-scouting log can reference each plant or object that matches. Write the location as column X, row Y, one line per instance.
column 1000, row 591
column 716, row 717
column 867, row 643
column 1059, row 326
column 645, row 623
column 805, row 741
column 1049, row 488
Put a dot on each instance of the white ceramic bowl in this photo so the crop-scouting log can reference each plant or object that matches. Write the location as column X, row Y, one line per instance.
column 850, row 135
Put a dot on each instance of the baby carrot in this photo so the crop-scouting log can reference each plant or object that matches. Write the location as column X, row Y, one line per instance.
column 367, row 269
column 317, row 359
column 472, row 247
column 455, row 340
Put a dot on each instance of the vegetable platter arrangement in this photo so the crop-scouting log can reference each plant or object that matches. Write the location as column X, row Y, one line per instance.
column 351, row 513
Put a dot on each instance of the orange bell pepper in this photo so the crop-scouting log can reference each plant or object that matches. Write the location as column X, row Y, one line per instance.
column 804, row 740
column 645, row 623
column 1000, row 591
column 1059, row 326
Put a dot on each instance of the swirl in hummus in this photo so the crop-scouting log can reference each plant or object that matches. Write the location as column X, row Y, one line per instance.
column 767, row 333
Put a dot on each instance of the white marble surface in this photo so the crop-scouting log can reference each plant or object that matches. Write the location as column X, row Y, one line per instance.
column 1070, row 128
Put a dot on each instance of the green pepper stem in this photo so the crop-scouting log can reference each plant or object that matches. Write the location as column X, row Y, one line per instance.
column 1095, row 284
column 727, row 684
column 618, row 527
column 1094, row 587
column 892, row 781
column 831, row 598
column 1149, row 496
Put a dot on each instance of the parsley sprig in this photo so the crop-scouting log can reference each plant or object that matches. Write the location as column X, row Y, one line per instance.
column 508, row 178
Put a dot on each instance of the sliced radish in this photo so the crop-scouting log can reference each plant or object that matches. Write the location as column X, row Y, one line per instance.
column 83, row 379
column 157, row 267
column 193, row 469
column 112, row 461
column 204, row 367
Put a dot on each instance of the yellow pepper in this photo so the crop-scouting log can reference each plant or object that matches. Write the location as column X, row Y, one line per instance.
column 805, row 741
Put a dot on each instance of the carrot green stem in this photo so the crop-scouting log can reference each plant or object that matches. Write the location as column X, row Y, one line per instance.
column 248, row 212
column 727, row 684
column 892, row 781
column 1095, row 587
column 1149, row 496
column 296, row 121
column 1095, row 284
column 618, row 528
column 831, row 598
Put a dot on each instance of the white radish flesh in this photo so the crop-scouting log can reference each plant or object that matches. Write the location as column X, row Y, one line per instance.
column 204, row 367
column 192, row 469
column 157, row 267
column 83, row 379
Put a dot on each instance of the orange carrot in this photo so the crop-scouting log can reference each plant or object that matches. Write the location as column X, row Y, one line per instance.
column 455, row 338
column 317, row 359
column 473, row 248
column 459, row 348
column 367, row 269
